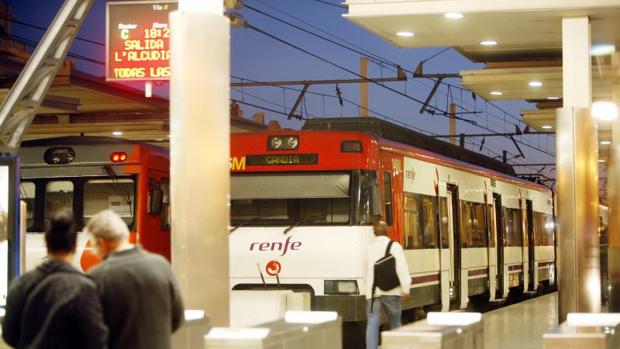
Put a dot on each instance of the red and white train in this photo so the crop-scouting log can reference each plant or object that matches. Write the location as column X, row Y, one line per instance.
column 303, row 204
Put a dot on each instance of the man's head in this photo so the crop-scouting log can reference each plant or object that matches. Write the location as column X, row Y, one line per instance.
column 109, row 232
column 61, row 236
column 380, row 228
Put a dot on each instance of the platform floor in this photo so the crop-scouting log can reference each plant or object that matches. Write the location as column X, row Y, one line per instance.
column 522, row 325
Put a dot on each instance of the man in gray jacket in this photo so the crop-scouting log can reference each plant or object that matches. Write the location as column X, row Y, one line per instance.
column 142, row 304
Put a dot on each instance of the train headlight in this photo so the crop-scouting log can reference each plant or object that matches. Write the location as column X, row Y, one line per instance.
column 283, row 142
column 341, row 287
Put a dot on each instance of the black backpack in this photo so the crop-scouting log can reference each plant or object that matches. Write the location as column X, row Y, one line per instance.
column 385, row 277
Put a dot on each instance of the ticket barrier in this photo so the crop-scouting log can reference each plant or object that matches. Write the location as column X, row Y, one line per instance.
column 191, row 334
column 585, row 330
column 298, row 330
column 439, row 331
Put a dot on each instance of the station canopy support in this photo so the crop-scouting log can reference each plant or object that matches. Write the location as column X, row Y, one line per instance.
column 30, row 89
column 577, row 177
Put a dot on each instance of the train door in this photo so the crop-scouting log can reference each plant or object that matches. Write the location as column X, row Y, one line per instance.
column 499, row 238
column 530, row 244
column 455, row 243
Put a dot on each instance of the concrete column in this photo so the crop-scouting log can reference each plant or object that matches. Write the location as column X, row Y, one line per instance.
column 200, row 152
column 613, row 199
column 577, row 177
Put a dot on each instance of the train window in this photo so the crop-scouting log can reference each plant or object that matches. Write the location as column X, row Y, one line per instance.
column 412, row 231
column 113, row 194
column 165, row 209
column 58, row 195
column 285, row 199
column 368, row 180
column 512, row 224
column 473, row 225
column 420, row 221
column 27, row 192
column 543, row 229
column 387, row 194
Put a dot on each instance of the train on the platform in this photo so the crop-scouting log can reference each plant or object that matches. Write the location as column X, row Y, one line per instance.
column 89, row 174
column 303, row 204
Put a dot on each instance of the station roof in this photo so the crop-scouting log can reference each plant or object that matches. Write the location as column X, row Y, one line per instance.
column 523, row 29
column 82, row 103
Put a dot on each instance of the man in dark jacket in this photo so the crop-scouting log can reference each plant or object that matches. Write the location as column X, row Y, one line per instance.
column 142, row 304
column 55, row 306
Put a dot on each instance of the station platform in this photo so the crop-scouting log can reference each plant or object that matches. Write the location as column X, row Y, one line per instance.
column 521, row 325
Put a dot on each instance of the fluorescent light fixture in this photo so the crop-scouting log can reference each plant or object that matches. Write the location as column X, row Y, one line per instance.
column 238, row 333
column 453, row 319
column 167, row 136
column 535, row 83
column 547, row 127
column 553, row 98
column 496, row 93
column 453, row 15
column 405, row 34
column 602, row 49
column 605, row 142
column 605, row 111
column 601, row 161
column 117, row 133
column 193, row 314
column 309, row 317
column 488, row 43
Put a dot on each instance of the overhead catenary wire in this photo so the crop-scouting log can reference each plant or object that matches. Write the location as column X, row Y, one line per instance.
column 381, row 61
column 440, row 111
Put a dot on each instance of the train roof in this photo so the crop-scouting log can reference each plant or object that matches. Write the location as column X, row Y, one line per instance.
column 407, row 136
column 94, row 140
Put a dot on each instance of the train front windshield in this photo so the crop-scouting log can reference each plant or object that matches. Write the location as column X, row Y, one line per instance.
column 84, row 196
column 276, row 199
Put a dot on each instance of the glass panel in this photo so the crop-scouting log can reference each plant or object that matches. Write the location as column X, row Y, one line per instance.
column 466, row 224
column 165, row 210
column 479, row 233
column 58, row 195
column 27, row 193
column 289, row 186
column 512, row 223
column 429, row 218
column 116, row 195
column 367, row 180
column 445, row 233
column 387, row 187
column 412, row 231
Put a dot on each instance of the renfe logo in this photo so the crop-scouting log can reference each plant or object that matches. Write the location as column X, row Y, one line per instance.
column 276, row 246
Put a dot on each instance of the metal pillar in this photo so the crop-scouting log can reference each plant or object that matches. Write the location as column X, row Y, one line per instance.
column 364, row 87
column 613, row 199
column 200, row 152
column 577, row 177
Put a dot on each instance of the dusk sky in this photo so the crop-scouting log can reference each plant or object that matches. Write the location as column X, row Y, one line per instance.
column 255, row 56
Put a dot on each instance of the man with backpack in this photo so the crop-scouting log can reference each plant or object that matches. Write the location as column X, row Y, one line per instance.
column 387, row 281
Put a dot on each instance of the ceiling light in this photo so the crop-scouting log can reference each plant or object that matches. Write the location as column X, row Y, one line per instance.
column 496, row 93
column 605, row 142
column 601, row 161
column 553, row 98
column 602, row 50
column 453, row 15
column 405, row 34
column 488, row 43
column 535, row 83
column 117, row 133
column 167, row 136
column 605, row 111
column 547, row 127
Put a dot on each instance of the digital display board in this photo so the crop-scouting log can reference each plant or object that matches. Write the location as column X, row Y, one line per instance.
column 9, row 225
column 282, row 159
column 138, row 40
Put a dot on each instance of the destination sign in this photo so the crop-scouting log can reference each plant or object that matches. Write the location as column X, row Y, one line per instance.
column 138, row 40
column 282, row 159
